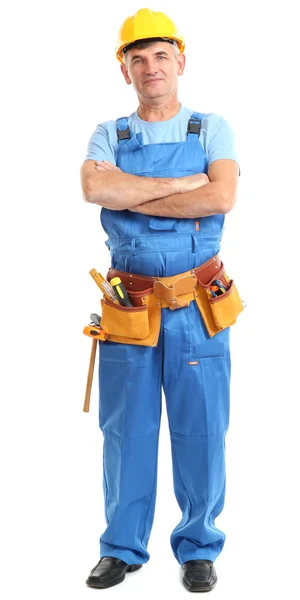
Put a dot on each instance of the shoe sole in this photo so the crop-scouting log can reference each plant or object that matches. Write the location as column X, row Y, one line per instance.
column 99, row 585
column 198, row 589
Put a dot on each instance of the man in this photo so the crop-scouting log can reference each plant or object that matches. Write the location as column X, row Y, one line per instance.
column 165, row 178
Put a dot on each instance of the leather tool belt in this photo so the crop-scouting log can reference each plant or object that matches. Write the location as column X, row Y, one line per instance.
column 140, row 323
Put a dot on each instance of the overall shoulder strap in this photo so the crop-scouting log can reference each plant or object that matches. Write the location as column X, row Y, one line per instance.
column 123, row 131
column 194, row 125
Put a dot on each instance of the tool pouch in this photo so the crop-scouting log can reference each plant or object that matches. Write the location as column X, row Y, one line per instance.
column 138, row 324
column 222, row 311
column 227, row 307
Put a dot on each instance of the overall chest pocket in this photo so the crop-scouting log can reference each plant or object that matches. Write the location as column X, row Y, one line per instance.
column 162, row 224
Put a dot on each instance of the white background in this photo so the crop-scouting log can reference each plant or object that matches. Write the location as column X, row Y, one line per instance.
column 59, row 79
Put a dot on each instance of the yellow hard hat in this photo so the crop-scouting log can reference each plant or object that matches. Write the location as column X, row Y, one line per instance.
column 147, row 24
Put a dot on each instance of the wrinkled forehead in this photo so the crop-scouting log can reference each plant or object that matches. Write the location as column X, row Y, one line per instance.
column 153, row 48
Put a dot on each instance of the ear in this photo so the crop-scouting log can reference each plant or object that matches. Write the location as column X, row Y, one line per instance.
column 125, row 73
column 181, row 63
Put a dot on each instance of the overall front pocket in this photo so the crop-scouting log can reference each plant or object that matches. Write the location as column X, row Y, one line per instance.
column 126, row 321
column 226, row 307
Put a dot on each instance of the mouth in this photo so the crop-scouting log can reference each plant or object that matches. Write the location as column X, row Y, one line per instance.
column 153, row 80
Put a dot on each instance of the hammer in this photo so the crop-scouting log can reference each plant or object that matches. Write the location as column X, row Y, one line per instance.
column 92, row 330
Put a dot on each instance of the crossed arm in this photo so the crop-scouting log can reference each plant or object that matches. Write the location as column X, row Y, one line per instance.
column 185, row 197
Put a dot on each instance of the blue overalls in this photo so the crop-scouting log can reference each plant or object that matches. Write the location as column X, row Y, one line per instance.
column 131, row 377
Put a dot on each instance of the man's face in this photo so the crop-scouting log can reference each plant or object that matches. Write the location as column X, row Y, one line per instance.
column 153, row 71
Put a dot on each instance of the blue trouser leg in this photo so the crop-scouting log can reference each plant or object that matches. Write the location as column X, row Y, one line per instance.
column 197, row 400
column 130, row 379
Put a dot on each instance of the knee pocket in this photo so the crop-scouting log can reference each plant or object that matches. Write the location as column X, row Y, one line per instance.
column 202, row 404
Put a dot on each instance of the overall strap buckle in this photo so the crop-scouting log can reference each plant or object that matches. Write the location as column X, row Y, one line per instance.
column 123, row 131
column 123, row 134
column 194, row 125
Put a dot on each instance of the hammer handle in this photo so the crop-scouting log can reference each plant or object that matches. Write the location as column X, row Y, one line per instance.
column 86, row 405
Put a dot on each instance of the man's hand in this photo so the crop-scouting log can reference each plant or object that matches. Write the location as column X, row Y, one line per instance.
column 189, row 183
column 105, row 165
column 185, row 184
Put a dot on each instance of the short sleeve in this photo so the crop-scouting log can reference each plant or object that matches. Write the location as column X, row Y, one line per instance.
column 222, row 144
column 99, row 145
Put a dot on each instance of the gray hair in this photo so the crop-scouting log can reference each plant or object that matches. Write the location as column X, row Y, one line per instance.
column 146, row 44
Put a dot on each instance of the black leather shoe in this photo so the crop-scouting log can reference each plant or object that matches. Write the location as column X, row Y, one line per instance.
column 109, row 571
column 199, row 575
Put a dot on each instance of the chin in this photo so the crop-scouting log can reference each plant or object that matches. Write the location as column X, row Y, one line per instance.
column 155, row 94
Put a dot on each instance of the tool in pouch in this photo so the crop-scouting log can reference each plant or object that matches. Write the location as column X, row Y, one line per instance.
column 104, row 285
column 217, row 288
column 120, row 291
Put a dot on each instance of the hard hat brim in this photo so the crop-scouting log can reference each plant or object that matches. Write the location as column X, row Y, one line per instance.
column 121, row 50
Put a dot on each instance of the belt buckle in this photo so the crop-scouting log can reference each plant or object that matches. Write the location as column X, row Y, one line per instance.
column 175, row 304
column 168, row 295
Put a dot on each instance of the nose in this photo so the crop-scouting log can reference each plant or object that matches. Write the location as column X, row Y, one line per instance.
column 151, row 68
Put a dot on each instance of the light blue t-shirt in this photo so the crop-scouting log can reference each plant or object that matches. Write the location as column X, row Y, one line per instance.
column 216, row 135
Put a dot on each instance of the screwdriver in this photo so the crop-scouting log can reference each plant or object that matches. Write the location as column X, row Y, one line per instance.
column 220, row 285
column 120, row 291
